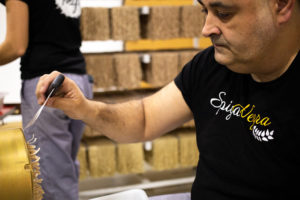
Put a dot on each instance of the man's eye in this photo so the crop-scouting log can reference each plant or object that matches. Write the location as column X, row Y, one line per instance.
column 223, row 15
column 204, row 10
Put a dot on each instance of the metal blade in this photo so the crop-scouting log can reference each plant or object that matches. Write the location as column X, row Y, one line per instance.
column 37, row 114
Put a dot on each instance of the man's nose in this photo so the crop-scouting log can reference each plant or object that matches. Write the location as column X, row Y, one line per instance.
column 210, row 27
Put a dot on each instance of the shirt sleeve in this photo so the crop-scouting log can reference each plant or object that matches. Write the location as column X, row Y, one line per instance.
column 181, row 82
column 190, row 79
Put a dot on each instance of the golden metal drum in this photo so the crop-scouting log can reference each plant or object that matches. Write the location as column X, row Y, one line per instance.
column 16, row 173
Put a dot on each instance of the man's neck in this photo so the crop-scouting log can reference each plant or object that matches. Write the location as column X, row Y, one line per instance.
column 280, row 69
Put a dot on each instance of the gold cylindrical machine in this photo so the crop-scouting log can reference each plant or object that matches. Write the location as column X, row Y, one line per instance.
column 19, row 167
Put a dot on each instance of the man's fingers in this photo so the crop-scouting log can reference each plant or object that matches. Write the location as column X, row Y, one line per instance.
column 41, row 88
column 43, row 85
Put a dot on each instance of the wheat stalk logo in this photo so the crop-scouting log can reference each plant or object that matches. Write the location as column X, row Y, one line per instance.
column 262, row 135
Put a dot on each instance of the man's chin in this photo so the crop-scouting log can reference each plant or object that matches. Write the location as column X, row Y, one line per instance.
column 223, row 59
column 231, row 64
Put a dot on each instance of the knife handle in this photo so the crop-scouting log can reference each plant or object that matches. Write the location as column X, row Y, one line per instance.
column 56, row 83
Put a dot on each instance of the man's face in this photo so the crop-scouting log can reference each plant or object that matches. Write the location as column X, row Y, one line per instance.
column 242, row 31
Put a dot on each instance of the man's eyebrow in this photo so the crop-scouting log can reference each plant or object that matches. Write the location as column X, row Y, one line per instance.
column 217, row 4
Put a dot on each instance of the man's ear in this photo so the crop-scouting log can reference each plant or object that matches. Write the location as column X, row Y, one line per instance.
column 284, row 9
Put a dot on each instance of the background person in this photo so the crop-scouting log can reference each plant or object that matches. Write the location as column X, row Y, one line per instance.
column 45, row 34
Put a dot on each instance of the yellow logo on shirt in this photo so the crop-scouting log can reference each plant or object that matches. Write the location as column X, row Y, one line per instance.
column 254, row 119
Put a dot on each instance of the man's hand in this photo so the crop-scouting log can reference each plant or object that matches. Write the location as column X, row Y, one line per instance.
column 68, row 97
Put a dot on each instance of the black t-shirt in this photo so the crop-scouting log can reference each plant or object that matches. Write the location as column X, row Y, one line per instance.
column 54, row 38
column 247, row 132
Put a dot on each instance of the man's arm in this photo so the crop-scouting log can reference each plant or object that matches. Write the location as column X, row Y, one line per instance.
column 16, row 40
column 132, row 121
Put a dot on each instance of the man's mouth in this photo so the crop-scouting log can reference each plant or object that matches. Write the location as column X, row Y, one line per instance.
column 219, row 45
column 217, row 42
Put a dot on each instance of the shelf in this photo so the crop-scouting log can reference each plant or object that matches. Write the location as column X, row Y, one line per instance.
column 101, row 3
column 158, row 2
column 170, row 44
column 204, row 42
column 118, row 3
column 102, row 46
column 108, row 46
column 142, row 45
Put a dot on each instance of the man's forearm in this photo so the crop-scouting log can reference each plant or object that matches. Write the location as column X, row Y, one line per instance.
column 132, row 121
column 124, row 122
